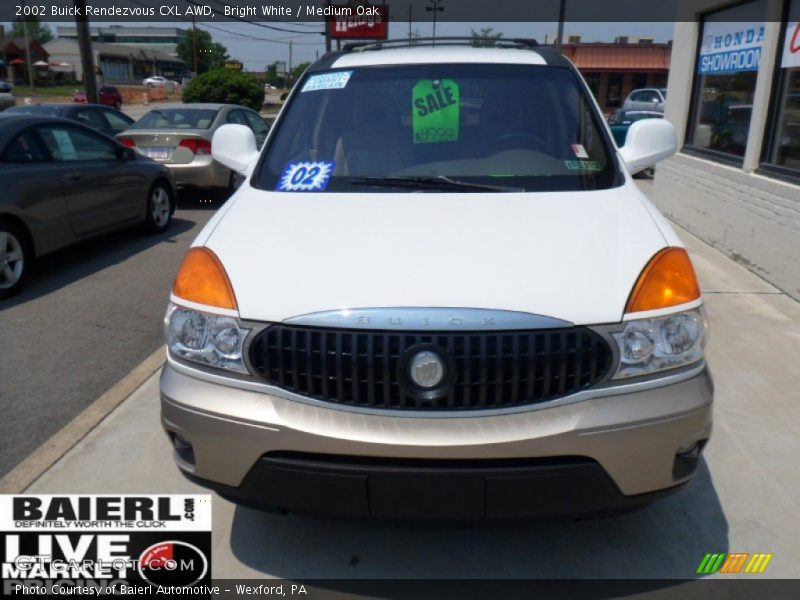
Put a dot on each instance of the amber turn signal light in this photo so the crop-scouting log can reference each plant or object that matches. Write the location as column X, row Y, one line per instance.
column 667, row 280
column 202, row 279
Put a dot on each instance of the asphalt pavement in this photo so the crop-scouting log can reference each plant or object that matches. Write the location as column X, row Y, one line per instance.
column 742, row 500
column 87, row 316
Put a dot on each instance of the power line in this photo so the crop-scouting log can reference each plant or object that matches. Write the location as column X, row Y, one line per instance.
column 243, row 20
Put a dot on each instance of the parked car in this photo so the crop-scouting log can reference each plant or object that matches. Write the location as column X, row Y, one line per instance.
column 80, row 97
column 620, row 122
column 64, row 182
column 417, row 309
column 5, row 86
column 110, row 96
column 646, row 99
column 180, row 138
column 102, row 118
column 155, row 81
column 7, row 100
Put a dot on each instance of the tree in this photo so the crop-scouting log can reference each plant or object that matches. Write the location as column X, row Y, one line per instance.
column 210, row 54
column 299, row 70
column 271, row 75
column 36, row 31
column 225, row 86
column 485, row 38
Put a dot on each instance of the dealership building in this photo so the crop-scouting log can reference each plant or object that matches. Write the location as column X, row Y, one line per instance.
column 734, row 98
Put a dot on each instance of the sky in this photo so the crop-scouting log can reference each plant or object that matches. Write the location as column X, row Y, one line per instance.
column 257, row 46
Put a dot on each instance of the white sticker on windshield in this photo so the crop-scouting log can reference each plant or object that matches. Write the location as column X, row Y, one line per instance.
column 306, row 176
column 579, row 151
column 327, row 81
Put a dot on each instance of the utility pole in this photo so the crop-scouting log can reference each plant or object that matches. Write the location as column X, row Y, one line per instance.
column 409, row 23
column 85, row 45
column 28, row 55
column 562, row 6
column 434, row 9
column 289, row 74
column 328, row 34
column 194, row 45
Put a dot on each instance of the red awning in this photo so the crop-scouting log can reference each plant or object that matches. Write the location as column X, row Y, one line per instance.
column 17, row 61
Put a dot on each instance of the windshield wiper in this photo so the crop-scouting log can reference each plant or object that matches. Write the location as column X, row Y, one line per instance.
column 431, row 182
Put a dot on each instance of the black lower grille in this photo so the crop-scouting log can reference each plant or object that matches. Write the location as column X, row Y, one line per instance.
column 501, row 369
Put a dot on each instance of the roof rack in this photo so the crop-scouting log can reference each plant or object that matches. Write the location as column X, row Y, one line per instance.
column 440, row 41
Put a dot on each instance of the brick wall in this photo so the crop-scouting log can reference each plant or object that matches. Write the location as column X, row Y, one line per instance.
column 753, row 219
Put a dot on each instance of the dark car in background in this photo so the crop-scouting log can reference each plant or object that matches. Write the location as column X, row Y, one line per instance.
column 102, row 118
column 620, row 122
column 180, row 138
column 64, row 182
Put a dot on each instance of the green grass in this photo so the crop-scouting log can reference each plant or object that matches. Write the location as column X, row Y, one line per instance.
column 61, row 90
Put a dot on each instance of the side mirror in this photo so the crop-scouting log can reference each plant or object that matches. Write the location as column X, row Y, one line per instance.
column 648, row 142
column 235, row 147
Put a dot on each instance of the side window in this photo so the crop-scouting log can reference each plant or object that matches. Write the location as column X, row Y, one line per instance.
column 23, row 149
column 91, row 118
column 236, row 117
column 70, row 144
column 116, row 122
column 637, row 96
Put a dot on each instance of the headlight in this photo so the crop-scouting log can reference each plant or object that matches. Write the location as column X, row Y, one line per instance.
column 207, row 339
column 651, row 345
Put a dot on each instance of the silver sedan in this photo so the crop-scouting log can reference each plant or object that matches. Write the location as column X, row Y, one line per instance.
column 180, row 138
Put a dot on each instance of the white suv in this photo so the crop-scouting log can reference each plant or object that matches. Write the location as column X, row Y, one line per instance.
column 438, row 294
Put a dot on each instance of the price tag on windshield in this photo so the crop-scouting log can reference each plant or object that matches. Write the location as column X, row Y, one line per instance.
column 436, row 111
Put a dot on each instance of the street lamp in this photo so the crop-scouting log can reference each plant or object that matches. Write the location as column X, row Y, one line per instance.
column 435, row 8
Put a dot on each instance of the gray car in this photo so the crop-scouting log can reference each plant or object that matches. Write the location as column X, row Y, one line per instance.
column 102, row 118
column 64, row 182
column 7, row 100
column 646, row 99
column 180, row 138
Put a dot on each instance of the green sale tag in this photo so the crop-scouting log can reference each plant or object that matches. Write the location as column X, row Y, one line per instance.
column 436, row 109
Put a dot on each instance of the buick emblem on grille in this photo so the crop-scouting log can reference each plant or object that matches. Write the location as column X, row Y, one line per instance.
column 426, row 369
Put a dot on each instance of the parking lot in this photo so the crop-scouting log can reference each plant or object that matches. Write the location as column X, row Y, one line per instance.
column 99, row 307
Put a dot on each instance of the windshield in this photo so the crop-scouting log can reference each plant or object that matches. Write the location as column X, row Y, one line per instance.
column 515, row 127
column 178, row 118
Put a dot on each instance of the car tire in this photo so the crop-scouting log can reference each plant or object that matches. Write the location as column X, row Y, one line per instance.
column 160, row 206
column 15, row 258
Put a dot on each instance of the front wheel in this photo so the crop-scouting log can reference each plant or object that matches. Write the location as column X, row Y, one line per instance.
column 15, row 259
column 159, row 208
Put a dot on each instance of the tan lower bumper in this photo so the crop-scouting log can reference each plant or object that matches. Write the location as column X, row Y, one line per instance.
column 633, row 436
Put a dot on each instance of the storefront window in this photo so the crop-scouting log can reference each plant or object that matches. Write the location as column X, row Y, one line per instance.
column 614, row 92
column 725, row 78
column 783, row 145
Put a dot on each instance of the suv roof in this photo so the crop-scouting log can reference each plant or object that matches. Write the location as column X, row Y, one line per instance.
column 446, row 50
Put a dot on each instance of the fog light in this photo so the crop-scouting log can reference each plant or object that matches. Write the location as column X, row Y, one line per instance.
column 687, row 459
column 183, row 448
column 688, row 448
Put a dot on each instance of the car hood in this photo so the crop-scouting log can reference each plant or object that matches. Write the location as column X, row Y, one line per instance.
column 570, row 255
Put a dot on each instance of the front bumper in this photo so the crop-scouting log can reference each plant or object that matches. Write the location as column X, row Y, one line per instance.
column 598, row 454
